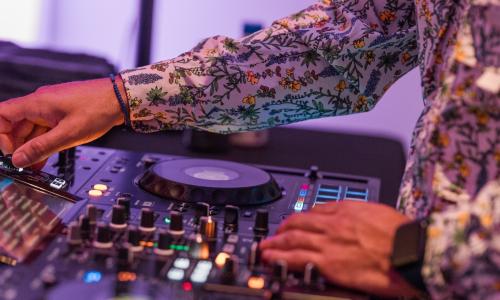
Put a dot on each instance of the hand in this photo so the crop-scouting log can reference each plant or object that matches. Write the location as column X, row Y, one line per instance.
column 57, row 117
column 349, row 242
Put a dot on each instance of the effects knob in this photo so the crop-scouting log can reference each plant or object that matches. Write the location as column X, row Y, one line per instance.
column 202, row 209
column 118, row 218
column 147, row 223
column 134, row 239
column 165, row 240
column 261, row 227
column 104, row 237
column 176, row 227
column 125, row 202
column 229, row 270
column 73, row 237
column 231, row 218
column 208, row 228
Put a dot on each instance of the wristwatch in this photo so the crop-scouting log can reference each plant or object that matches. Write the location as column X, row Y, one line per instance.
column 408, row 252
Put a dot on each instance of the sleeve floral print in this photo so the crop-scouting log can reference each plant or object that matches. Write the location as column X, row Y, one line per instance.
column 339, row 57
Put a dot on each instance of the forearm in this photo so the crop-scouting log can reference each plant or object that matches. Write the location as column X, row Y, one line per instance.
column 327, row 60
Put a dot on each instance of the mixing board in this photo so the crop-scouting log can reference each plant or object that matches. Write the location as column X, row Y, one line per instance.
column 108, row 224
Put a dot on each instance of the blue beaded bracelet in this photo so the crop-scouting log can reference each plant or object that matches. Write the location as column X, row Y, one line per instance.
column 120, row 101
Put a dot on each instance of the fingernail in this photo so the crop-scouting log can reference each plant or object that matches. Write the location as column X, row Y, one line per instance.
column 20, row 160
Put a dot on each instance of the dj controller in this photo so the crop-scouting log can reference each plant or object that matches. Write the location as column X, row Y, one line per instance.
column 100, row 223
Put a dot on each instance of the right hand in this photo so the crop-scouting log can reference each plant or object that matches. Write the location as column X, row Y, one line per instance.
column 57, row 117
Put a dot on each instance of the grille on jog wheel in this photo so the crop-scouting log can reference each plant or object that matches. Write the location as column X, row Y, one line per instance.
column 212, row 181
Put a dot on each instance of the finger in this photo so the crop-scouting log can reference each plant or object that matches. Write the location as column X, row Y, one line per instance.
column 294, row 239
column 41, row 147
column 5, row 126
column 20, row 131
column 37, row 131
column 329, row 208
column 17, row 109
column 39, row 165
column 306, row 222
column 6, row 144
column 295, row 259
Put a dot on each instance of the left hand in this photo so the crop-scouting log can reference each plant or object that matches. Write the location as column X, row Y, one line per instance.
column 349, row 242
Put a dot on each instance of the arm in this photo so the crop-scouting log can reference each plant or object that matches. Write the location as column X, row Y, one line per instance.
column 333, row 58
column 463, row 248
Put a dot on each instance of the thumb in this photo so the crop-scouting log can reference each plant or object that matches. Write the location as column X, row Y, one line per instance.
column 43, row 146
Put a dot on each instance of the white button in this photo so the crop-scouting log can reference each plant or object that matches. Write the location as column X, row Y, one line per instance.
column 175, row 274
column 181, row 263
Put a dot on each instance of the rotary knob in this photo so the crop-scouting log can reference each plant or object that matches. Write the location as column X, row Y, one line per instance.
column 229, row 270
column 134, row 239
column 311, row 275
column 176, row 227
column 147, row 223
column 280, row 271
column 254, row 256
column 85, row 227
column 92, row 214
column 118, row 217
column 165, row 240
column 74, row 238
column 125, row 202
column 104, row 237
column 202, row 209
column 231, row 218
column 208, row 228
column 261, row 226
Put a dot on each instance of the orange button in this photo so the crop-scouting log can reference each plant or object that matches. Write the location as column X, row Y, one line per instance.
column 95, row 193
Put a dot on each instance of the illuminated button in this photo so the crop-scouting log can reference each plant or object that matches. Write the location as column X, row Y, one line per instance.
column 256, row 282
column 220, row 260
column 201, row 271
column 181, row 263
column 303, row 193
column 95, row 193
column 100, row 187
column 92, row 277
column 126, row 276
column 299, row 206
column 175, row 274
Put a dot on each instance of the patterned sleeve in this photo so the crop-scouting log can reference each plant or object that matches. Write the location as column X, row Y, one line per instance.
column 333, row 58
column 463, row 249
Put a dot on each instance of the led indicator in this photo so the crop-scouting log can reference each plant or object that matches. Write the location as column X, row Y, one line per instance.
column 126, row 276
column 100, row 187
column 256, row 282
column 299, row 206
column 303, row 193
column 179, row 247
column 304, row 187
column 220, row 260
column 187, row 286
column 166, row 220
column 95, row 193
column 92, row 277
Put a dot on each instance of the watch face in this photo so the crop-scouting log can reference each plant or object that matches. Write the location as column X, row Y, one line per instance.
column 409, row 244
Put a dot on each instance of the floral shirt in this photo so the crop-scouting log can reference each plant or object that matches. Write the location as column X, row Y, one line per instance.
column 339, row 57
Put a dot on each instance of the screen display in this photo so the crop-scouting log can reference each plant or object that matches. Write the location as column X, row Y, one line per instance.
column 27, row 217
